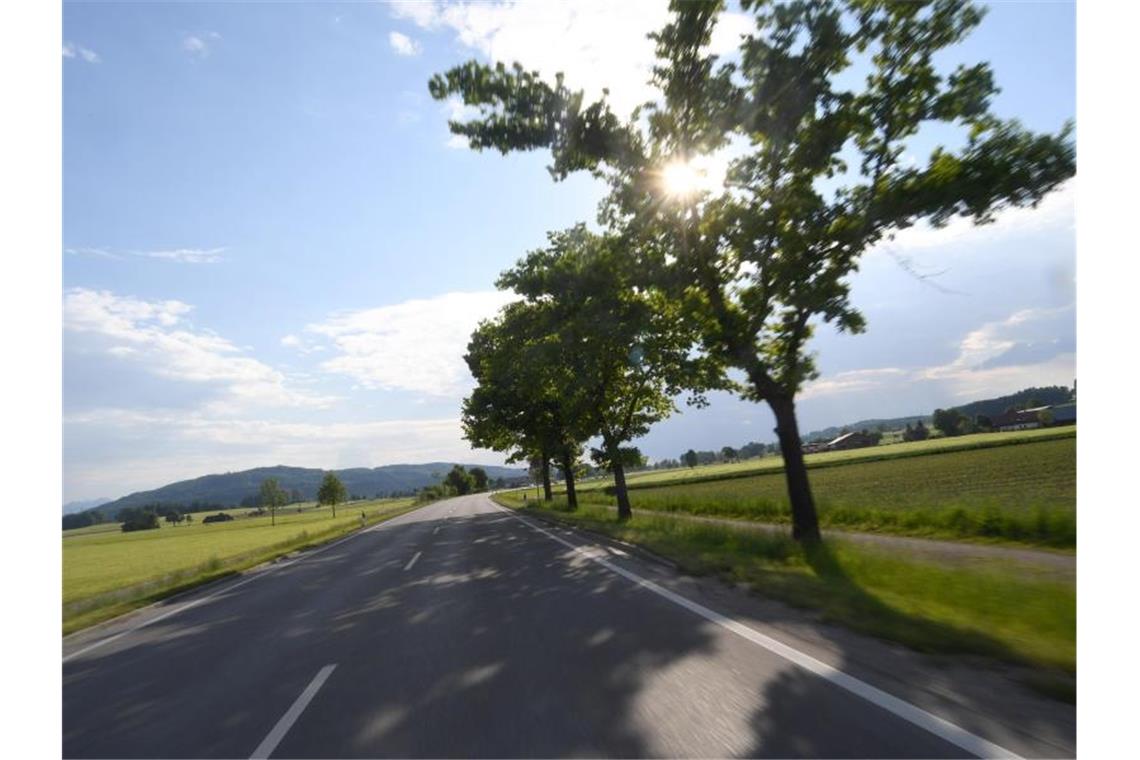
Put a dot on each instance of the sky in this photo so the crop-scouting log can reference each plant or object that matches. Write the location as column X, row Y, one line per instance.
column 274, row 251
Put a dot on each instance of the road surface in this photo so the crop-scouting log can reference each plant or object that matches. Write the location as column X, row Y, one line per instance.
column 463, row 630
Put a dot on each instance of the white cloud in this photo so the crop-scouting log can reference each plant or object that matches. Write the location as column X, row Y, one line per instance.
column 1057, row 211
column 1031, row 347
column 180, row 255
column 156, row 335
column 416, row 345
column 1011, row 342
column 851, row 381
column 71, row 50
column 402, row 44
column 200, row 45
column 300, row 345
column 186, row 255
column 597, row 43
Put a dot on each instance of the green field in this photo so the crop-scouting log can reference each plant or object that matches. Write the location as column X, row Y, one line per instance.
column 998, row 609
column 107, row 572
column 1021, row 490
column 829, row 458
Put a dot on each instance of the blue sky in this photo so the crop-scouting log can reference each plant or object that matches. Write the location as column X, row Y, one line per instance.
column 274, row 251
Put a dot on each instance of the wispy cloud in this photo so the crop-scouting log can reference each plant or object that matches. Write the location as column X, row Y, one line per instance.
column 1029, row 347
column 199, row 45
column 157, row 337
column 402, row 44
column 416, row 345
column 851, row 382
column 186, row 255
column 1026, row 336
column 300, row 345
column 1057, row 211
column 180, row 255
column 72, row 50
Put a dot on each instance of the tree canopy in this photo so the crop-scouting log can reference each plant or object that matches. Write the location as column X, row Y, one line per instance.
column 815, row 172
column 332, row 491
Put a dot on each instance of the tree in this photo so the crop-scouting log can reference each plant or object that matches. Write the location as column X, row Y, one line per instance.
column 728, row 453
column 918, row 433
column 271, row 497
column 623, row 352
column 331, row 492
column 174, row 517
column 459, row 480
column 519, row 404
column 690, row 458
column 949, row 421
column 135, row 518
column 818, row 177
column 189, row 518
column 479, row 478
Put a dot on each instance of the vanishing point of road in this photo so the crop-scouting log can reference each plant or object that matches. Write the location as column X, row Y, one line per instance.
column 464, row 630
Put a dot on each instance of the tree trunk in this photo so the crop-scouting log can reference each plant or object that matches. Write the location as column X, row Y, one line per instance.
column 805, row 523
column 547, row 494
column 620, row 491
column 568, row 471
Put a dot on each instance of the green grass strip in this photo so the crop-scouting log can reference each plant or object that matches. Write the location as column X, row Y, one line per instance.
column 995, row 610
column 88, row 611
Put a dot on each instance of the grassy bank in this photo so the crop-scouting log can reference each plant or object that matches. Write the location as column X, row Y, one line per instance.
column 1023, row 493
column 107, row 573
column 997, row 610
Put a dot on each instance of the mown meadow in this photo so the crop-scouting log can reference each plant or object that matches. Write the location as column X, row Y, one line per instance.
column 107, row 572
column 1020, row 488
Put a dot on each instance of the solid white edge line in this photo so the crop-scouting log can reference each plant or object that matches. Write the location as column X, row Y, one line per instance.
column 270, row 742
column 412, row 561
column 260, row 574
column 940, row 727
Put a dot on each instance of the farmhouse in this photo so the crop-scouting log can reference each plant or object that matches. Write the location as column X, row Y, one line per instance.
column 1064, row 414
column 1040, row 416
column 850, row 441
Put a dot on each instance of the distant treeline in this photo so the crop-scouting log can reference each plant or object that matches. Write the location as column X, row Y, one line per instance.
column 1023, row 399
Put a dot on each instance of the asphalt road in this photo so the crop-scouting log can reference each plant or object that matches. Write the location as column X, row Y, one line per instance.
column 460, row 630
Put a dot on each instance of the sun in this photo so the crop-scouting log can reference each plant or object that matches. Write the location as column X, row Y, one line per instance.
column 681, row 179
column 685, row 179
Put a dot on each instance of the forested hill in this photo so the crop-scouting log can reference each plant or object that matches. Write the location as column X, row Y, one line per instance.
column 1045, row 396
column 230, row 488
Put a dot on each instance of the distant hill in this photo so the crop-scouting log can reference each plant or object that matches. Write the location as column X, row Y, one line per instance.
column 230, row 488
column 1048, row 395
column 79, row 506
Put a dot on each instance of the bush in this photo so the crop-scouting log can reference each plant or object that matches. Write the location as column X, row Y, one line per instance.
column 219, row 517
column 140, row 521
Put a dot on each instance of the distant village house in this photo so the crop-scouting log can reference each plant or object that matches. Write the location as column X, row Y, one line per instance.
column 850, row 441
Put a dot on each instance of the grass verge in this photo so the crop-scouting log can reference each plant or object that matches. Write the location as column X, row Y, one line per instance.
column 996, row 611
column 89, row 610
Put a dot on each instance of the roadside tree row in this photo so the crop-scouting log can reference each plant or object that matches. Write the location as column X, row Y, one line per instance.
column 740, row 202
